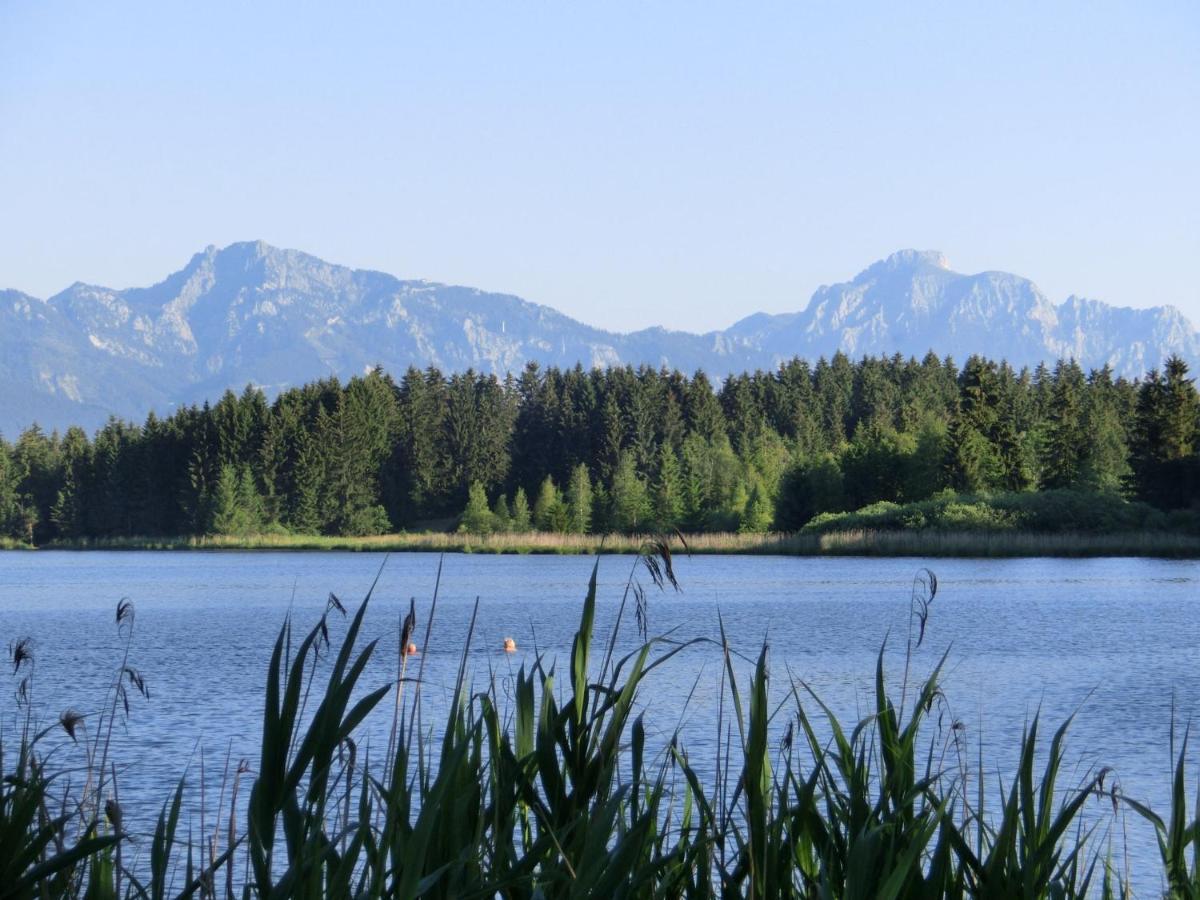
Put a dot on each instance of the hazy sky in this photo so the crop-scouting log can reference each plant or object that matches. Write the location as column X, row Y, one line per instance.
column 629, row 164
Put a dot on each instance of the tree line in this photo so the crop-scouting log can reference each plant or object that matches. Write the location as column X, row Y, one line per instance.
column 618, row 449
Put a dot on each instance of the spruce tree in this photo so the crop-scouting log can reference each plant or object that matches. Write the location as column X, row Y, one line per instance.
column 696, row 482
column 422, row 402
column 1066, row 443
column 522, row 520
column 477, row 517
column 308, row 475
column 1180, row 412
column 1166, row 466
column 974, row 462
column 226, row 516
column 668, row 491
column 630, row 500
column 1105, row 465
column 579, row 501
column 8, row 494
column 549, row 511
column 759, row 510
column 612, row 436
column 67, row 513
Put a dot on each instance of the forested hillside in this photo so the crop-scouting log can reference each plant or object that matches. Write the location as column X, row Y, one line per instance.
column 608, row 450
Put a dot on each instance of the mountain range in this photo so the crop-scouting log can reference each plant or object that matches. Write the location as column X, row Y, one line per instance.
column 253, row 313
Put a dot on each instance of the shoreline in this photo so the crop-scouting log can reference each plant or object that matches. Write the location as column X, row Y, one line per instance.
column 1171, row 545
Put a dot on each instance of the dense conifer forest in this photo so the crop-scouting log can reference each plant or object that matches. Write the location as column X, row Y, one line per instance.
column 609, row 450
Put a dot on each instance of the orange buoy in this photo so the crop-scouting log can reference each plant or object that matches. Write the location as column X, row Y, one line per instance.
column 412, row 650
column 510, row 646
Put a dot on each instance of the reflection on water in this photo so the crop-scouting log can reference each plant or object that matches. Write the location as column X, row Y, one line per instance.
column 1115, row 639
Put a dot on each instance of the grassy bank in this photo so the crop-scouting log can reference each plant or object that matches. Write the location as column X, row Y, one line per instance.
column 10, row 544
column 553, row 786
column 848, row 542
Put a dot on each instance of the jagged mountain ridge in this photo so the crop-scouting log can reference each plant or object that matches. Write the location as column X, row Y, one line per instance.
column 252, row 313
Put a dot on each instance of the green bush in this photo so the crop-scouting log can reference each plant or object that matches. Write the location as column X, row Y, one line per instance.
column 1044, row 511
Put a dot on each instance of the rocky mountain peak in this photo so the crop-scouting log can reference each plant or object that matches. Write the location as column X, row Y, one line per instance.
column 917, row 260
column 253, row 313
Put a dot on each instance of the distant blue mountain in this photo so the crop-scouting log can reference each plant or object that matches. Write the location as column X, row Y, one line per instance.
column 252, row 313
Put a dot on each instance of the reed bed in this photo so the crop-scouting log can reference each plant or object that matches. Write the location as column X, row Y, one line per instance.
column 857, row 542
column 549, row 787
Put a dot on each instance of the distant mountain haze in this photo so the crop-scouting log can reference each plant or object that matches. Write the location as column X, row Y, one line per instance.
column 252, row 313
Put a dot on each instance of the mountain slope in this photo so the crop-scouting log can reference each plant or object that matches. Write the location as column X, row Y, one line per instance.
column 252, row 313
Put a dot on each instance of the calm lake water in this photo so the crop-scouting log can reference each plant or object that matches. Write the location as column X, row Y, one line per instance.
column 1115, row 639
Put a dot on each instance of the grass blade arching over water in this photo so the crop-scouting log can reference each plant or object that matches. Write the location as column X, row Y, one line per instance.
column 553, row 787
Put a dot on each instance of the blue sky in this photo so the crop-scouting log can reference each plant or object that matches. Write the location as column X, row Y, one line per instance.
column 630, row 164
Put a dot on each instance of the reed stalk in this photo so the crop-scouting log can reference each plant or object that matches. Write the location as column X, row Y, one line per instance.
column 553, row 789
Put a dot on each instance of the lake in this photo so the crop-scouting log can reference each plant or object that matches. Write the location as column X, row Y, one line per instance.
column 1114, row 639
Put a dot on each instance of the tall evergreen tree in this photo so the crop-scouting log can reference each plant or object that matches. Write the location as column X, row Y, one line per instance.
column 668, row 497
column 1066, row 444
column 1166, row 467
column 974, row 460
column 1105, row 465
column 579, row 501
column 8, row 494
column 522, row 518
column 629, row 497
column 422, row 401
column 549, row 511
column 477, row 518
column 70, row 503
